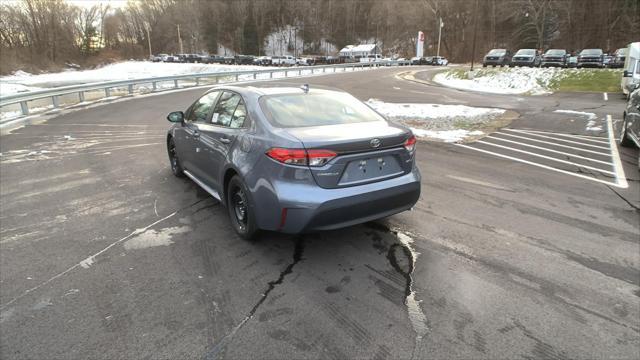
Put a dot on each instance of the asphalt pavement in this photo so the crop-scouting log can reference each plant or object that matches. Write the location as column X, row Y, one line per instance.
column 104, row 254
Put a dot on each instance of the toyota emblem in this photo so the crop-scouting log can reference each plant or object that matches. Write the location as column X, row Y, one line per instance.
column 375, row 143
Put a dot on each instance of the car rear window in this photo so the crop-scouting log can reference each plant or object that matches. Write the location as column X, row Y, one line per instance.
column 319, row 109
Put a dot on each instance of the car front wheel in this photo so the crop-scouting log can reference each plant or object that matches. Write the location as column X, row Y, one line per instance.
column 176, row 167
column 240, row 210
column 624, row 138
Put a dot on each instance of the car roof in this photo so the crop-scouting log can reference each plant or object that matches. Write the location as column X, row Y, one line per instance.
column 273, row 90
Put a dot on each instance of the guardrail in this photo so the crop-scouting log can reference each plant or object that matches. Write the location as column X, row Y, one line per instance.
column 107, row 88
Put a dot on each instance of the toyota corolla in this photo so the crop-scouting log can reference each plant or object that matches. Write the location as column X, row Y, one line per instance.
column 294, row 159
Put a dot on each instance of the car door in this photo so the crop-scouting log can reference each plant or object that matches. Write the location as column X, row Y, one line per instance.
column 187, row 135
column 217, row 137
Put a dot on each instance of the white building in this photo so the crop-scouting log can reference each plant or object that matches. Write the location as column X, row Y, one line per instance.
column 362, row 50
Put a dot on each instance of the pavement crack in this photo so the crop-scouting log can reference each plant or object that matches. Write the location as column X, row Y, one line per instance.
column 402, row 258
column 623, row 198
column 298, row 251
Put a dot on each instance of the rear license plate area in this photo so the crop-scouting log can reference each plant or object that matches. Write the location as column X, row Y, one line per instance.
column 370, row 169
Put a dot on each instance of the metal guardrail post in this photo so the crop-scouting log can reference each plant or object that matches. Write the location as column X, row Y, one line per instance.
column 270, row 74
column 55, row 101
column 130, row 89
column 107, row 92
column 81, row 96
column 197, row 81
column 175, row 83
column 299, row 72
column 24, row 107
column 254, row 75
column 217, row 79
column 236, row 77
column 155, row 87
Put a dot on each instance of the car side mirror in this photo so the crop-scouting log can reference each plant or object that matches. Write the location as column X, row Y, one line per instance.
column 626, row 73
column 176, row 117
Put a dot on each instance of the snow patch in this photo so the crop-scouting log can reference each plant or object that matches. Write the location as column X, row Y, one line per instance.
column 126, row 70
column 152, row 238
column 534, row 81
column 441, row 122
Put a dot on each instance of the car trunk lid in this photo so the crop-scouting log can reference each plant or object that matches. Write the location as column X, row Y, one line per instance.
column 366, row 152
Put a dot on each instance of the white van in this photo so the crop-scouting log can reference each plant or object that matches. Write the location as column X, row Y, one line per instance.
column 631, row 74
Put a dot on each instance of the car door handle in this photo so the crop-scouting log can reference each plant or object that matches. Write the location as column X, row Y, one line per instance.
column 225, row 140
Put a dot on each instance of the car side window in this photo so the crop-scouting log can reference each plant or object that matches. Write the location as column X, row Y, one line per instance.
column 239, row 116
column 199, row 111
column 226, row 107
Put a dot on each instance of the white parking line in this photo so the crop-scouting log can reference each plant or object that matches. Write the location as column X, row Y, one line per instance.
column 596, row 139
column 554, row 144
column 547, row 157
column 606, row 97
column 551, row 150
column 621, row 179
column 553, row 138
column 541, row 165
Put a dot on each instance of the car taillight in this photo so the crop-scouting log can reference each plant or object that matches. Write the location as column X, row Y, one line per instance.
column 312, row 157
column 410, row 144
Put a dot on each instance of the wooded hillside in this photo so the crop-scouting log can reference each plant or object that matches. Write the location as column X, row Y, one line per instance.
column 39, row 34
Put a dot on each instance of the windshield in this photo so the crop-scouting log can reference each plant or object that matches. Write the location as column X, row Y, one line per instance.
column 319, row 109
column 591, row 52
column 497, row 52
column 555, row 52
column 526, row 52
column 621, row 52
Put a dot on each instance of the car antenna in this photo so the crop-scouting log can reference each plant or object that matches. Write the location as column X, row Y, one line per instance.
column 305, row 88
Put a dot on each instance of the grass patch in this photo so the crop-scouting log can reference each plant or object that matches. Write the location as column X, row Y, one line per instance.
column 587, row 80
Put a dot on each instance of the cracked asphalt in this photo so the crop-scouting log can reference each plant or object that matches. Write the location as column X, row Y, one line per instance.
column 104, row 254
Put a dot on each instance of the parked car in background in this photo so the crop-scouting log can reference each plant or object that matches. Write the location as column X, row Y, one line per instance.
column 572, row 62
column 591, row 58
column 440, row 61
column 526, row 57
column 619, row 58
column 243, row 60
column 607, row 60
column 273, row 158
column 284, row 60
column 416, row 60
column 213, row 59
column 555, row 57
column 262, row 60
column 159, row 57
column 371, row 58
column 631, row 73
column 172, row 59
column 497, row 57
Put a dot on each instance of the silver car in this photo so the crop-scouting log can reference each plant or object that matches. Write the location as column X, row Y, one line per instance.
column 294, row 159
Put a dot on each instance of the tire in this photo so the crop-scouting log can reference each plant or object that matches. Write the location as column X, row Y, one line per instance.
column 174, row 161
column 624, row 139
column 240, row 207
column 484, row 65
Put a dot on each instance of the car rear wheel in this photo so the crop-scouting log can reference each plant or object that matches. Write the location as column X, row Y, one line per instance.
column 176, row 167
column 624, row 138
column 240, row 209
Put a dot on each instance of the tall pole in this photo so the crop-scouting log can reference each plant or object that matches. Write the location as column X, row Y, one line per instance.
column 180, row 40
column 475, row 35
column 439, row 36
column 295, row 42
column 149, row 41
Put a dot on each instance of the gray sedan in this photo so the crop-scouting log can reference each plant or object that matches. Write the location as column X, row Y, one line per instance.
column 294, row 159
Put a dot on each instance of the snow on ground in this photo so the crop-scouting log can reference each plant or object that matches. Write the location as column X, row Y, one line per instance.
column 592, row 124
column 22, row 81
column 449, row 123
column 521, row 80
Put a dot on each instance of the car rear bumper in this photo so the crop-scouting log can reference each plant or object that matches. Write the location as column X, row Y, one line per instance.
column 308, row 207
column 493, row 62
